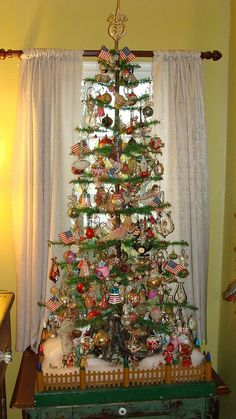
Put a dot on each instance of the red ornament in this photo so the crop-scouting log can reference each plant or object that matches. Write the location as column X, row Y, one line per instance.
column 132, row 99
column 80, row 287
column 89, row 232
column 129, row 130
column 133, row 317
column 144, row 174
column 105, row 141
column 92, row 314
column 103, row 304
column 156, row 144
column 150, row 233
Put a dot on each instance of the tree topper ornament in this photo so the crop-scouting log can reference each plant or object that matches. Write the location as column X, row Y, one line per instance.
column 117, row 27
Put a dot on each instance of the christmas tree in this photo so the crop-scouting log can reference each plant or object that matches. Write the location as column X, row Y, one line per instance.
column 118, row 294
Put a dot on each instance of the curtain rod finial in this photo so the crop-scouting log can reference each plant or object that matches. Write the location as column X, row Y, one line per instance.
column 3, row 54
column 211, row 55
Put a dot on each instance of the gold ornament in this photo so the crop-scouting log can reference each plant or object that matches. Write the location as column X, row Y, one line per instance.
column 154, row 282
column 101, row 339
column 117, row 28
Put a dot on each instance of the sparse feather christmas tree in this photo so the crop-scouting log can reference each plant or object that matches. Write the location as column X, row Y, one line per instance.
column 118, row 294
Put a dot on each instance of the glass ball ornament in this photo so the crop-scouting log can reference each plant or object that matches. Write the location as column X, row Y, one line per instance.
column 107, row 121
column 93, row 313
column 89, row 232
column 69, row 256
column 80, row 287
column 147, row 111
column 132, row 99
column 134, row 298
column 133, row 317
column 107, row 98
column 73, row 212
column 153, row 282
column 101, row 339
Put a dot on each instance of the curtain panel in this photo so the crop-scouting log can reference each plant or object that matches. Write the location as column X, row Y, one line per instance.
column 47, row 114
column 179, row 106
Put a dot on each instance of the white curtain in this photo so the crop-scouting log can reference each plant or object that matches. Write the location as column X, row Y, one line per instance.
column 179, row 105
column 48, row 112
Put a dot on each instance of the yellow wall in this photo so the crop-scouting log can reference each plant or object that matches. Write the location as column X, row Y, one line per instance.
column 227, row 343
column 153, row 24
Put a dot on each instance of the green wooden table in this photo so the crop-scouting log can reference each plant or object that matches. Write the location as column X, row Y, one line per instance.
column 182, row 401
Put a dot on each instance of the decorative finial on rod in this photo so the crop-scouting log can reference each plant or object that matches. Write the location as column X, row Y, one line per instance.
column 117, row 27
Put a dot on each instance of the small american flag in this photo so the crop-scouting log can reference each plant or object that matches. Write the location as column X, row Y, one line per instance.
column 172, row 267
column 53, row 303
column 104, row 54
column 155, row 203
column 126, row 54
column 66, row 237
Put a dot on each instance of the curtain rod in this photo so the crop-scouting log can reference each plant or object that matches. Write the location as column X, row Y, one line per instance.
column 208, row 55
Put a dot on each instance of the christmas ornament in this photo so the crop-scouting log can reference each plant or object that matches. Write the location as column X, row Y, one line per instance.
column 98, row 168
column 120, row 101
column 132, row 166
column 89, row 301
column 101, row 339
column 69, row 256
column 83, row 267
column 156, row 144
column 54, row 273
column 79, row 166
column 147, row 111
column 107, row 121
column 114, row 297
column 158, row 168
column 107, row 98
column 130, row 129
column 102, row 78
column 105, row 141
column 141, row 246
column 154, row 282
column 73, row 212
column 165, row 225
column 180, row 295
column 89, row 232
column 102, row 271
column 92, row 314
column 117, row 201
column 131, row 99
column 103, row 304
column 155, row 313
column 86, row 343
column 134, row 298
column 80, row 287
column 152, row 343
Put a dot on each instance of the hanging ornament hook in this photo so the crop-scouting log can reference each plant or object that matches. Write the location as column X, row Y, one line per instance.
column 117, row 27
